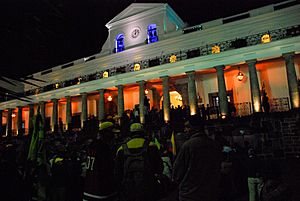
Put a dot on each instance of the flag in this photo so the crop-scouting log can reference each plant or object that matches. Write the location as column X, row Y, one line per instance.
column 173, row 144
column 37, row 151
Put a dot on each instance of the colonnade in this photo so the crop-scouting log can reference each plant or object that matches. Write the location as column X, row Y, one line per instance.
column 192, row 98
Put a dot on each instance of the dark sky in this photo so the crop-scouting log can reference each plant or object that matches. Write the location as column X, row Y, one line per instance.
column 39, row 34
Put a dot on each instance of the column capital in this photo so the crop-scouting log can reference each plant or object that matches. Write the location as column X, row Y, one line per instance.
column 221, row 67
column 120, row 86
column 252, row 61
column 101, row 90
column 190, row 72
column 53, row 99
column 288, row 54
column 164, row 77
column 141, row 82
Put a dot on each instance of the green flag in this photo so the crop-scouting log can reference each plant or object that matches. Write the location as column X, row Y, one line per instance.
column 37, row 152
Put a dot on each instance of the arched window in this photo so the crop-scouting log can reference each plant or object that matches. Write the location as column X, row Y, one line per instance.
column 152, row 33
column 119, row 43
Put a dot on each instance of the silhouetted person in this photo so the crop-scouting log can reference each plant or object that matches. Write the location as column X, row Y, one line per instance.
column 197, row 166
column 265, row 103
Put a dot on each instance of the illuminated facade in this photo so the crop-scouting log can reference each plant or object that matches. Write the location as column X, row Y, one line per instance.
column 225, row 61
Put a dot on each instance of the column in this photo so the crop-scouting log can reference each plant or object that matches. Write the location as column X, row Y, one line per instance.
column 120, row 100
column 84, row 113
column 192, row 92
column 166, row 95
column 42, row 110
column 292, row 80
column 141, row 101
column 19, row 121
column 222, row 91
column 101, row 109
column 30, row 121
column 9, row 123
column 55, row 115
column 155, row 97
column 1, row 122
column 254, row 86
column 68, row 113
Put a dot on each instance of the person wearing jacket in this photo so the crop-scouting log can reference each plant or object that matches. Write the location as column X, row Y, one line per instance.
column 99, row 181
column 147, row 191
column 197, row 166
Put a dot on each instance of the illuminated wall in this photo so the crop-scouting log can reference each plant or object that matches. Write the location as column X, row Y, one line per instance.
column 25, row 117
column 131, row 98
column 62, row 111
column 92, row 104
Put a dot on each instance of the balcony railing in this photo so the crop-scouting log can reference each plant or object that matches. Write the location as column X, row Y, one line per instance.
column 236, row 43
column 279, row 104
column 243, row 109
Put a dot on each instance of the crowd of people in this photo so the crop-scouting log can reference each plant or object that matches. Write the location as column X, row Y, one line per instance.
column 120, row 159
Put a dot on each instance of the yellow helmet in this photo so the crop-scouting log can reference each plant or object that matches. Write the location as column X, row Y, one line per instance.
column 136, row 127
column 105, row 125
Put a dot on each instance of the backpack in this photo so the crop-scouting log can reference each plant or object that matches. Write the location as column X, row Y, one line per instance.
column 137, row 175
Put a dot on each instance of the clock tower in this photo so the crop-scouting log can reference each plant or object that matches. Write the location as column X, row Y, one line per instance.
column 133, row 23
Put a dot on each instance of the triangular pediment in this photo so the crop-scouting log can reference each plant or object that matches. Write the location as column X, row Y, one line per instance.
column 134, row 9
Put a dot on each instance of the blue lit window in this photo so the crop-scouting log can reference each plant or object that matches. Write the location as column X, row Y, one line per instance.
column 152, row 33
column 119, row 43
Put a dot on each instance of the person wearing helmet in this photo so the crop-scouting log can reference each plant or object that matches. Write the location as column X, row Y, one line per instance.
column 137, row 162
column 99, row 181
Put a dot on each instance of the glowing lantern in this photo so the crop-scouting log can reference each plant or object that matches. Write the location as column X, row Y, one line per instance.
column 105, row 74
column 146, row 91
column 173, row 58
column 13, row 115
column 56, row 85
column 109, row 98
column 240, row 75
column 215, row 49
column 266, row 38
column 137, row 67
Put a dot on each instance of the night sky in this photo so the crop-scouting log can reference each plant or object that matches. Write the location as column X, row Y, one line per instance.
column 39, row 34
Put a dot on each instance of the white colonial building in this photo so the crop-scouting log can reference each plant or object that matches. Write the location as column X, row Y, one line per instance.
column 149, row 48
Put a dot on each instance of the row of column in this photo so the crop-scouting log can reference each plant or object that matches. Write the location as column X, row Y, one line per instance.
column 192, row 97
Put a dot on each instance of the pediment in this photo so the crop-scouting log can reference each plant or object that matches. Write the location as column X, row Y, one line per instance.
column 134, row 9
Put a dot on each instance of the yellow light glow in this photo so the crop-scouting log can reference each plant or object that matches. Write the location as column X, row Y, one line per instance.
column 79, row 80
column 296, row 100
column 56, row 85
column 266, row 38
column 13, row 115
column 240, row 76
column 146, row 91
column 215, row 49
column 137, row 67
column 256, row 106
column 173, row 58
column 193, row 110
column 105, row 74
column 109, row 98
